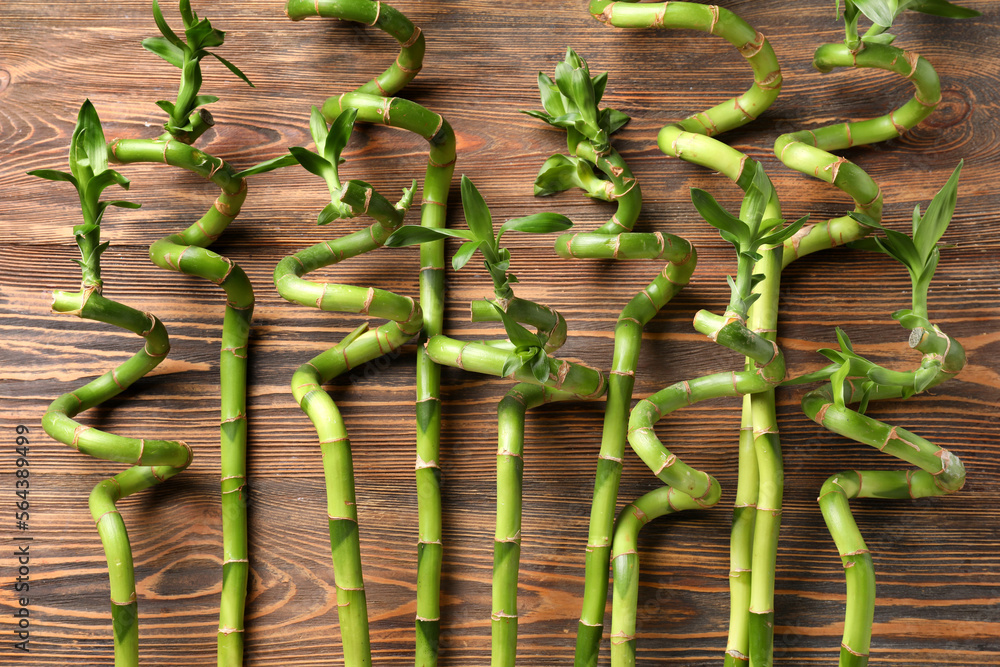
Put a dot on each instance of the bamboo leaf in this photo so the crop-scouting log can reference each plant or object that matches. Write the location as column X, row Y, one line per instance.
column 756, row 198
column 779, row 237
column 333, row 211
column 613, row 120
column 511, row 364
column 866, row 393
column 120, row 204
column 840, row 387
column 53, row 175
column 477, row 213
column 517, row 334
column 943, row 8
column 928, row 229
column 92, row 138
column 202, row 100
column 318, row 130
column 540, row 366
column 339, row 135
column 599, row 83
column 556, row 175
column 537, row 223
column 187, row 15
column 268, row 165
column 882, row 38
column 866, row 220
column 720, row 218
column 164, row 28
column 881, row 12
column 408, row 235
column 202, row 35
column 843, row 340
column 165, row 49
column 541, row 115
column 166, row 106
column 100, row 181
column 552, row 100
column 464, row 254
column 313, row 163
column 833, row 355
column 582, row 89
column 909, row 320
column 231, row 67
column 567, row 120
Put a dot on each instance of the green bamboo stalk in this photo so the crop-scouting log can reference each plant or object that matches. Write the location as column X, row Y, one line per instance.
column 371, row 104
column 681, row 140
column 607, row 242
column 435, row 129
column 185, row 252
column 625, row 564
column 856, row 379
column 507, row 538
column 385, row 18
column 153, row 461
column 808, row 151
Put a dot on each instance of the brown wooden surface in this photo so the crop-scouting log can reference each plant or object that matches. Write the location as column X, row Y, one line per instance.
column 937, row 560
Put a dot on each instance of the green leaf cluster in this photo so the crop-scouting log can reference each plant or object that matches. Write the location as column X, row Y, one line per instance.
column 882, row 13
column 186, row 54
column 481, row 236
column 919, row 253
column 562, row 172
column 529, row 349
column 849, row 364
column 90, row 175
column 571, row 102
column 747, row 232
column 330, row 143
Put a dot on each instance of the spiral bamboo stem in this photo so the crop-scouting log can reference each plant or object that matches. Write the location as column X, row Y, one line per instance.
column 373, row 103
column 683, row 140
column 186, row 253
column 940, row 472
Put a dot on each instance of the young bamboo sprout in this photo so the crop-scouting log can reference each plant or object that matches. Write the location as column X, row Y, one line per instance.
column 753, row 233
column 524, row 356
column 854, row 379
column 153, row 461
column 373, row 104
column 570, row 102
column 688, row 140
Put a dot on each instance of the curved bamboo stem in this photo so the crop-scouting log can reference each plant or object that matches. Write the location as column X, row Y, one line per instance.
column 185, row 252
column 373, row 104
column 153, row 461
column 808, row 151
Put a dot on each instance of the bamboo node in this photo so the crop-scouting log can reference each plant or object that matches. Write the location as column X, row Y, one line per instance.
column 564, row 368
column 714, row 10
column 821, row 413
column 428, row 620
column 914, row 60
column 77, row 432
column 736, row 654
column 607, row 16
column 853, row 652
column 413, row 38
column 334, row 440
column 615, row 220
column 620, row 638
column 629, row 373
column 224, row 630
column 331, row 517
column 750, row 49
column 378, row 12
column 235, row 560
column 670, row 460
column 736, row 573
column 608, row 457
column 499, row 615
column 142, row 447
column 515, row 539
column 98, row 522
column 406, row 70
column 739, row 107
column 772, row 81
column 131, row 600
column 421, row 464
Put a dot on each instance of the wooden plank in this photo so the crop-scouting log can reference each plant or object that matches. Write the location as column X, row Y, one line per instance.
column 936, row 559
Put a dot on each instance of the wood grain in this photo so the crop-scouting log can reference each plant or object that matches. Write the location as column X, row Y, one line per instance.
column 936, row 559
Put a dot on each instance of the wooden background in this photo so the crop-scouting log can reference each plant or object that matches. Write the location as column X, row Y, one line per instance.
column 937, row 559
